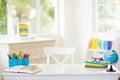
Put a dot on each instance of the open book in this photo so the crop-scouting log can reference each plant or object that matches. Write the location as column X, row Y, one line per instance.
column 32, row 69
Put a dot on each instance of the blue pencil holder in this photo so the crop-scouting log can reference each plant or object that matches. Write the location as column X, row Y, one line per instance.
column 20, row 61
column 26, row 62
column 16, row 62
column 12, row 62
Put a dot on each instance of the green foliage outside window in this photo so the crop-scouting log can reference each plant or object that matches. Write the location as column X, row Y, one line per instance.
column 3, row 17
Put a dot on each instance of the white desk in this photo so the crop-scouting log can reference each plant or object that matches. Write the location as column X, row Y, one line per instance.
column 65, row 72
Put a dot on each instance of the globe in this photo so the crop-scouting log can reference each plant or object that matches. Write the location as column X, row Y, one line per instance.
column 111, row 58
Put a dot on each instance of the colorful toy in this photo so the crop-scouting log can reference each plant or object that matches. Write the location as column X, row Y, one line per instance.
column 23, row 30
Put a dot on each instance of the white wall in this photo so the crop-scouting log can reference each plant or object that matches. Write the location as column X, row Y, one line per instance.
column 78, row 19
column 70, row 28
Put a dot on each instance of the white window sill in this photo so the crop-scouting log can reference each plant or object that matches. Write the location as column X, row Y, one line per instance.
column 12, row 41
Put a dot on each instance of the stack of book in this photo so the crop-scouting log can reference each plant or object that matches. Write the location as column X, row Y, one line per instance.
column 92, row 64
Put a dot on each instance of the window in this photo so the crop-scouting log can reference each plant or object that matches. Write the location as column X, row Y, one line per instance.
column 38, row 14
column 23, row 12
column 108, row 15
column 3, row 17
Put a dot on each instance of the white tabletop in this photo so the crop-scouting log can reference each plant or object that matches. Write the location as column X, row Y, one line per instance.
column 68, row 69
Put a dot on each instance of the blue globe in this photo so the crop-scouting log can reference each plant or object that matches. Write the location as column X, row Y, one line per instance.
column 111, row 58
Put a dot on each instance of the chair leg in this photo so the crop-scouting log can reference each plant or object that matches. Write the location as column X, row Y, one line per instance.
column 72, row 59
column 48, row 59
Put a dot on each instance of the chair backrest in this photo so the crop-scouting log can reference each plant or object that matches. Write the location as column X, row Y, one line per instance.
column 52, row 52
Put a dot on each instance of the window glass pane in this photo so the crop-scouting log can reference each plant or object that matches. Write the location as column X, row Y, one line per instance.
column 3, row 17
column 109, row 1
column 109, row 12
column 47, row 16
column 100, row 12
column 117, row 25
column 100, row 25
column 117, row 12
column 23, row 11
column 100, row 1
column 117, row 1
column 108, row 25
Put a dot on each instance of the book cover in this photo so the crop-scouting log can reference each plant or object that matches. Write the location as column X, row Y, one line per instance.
column 32, row 69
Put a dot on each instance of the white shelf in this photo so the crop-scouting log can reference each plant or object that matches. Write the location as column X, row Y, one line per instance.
column 99, row 50
column 96, row 53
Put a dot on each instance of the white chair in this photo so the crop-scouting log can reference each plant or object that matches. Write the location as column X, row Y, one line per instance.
column 52, row 52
